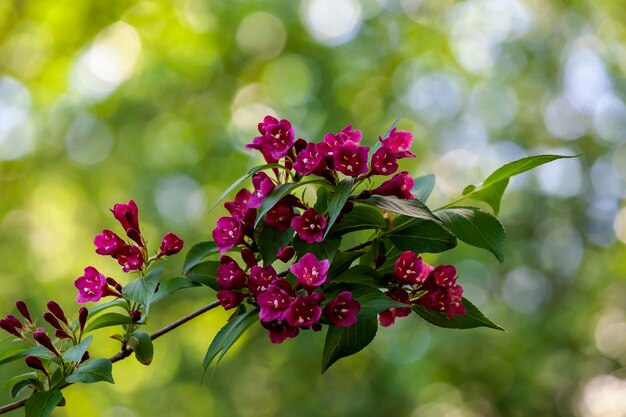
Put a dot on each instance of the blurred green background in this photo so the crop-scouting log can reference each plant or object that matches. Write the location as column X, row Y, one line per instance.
column 103, row 101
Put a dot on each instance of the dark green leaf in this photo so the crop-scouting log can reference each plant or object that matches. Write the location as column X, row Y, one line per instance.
column 492, row 189
column 107, row 320
column 228, row 335
column 171, row 286
column 142, row 289
column 321, row 204
column 474, row 318
column 75, row 353
column 475, row 227
column 411, row 208
column 361, row 274
column 421, row 236
column 197, row 253
column 11, row 353
column 41, row 404
column 346, row 341
column 205, row 273
column 376, row 249
column 242, row 179
column 341, row 262
column 360, row 218
column 101, row 307
column 270, row 240
column 12, row 381
column 423, row 186
column 20, row 386
column 337, row 200
column 95, row 370
column 325, row 249
column 141, row 344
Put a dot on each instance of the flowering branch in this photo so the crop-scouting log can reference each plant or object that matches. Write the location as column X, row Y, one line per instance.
column 124, row 353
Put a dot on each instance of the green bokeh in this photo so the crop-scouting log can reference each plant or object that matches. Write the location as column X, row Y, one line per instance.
column 101, row 102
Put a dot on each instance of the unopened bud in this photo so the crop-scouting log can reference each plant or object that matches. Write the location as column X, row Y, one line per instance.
column 82, row 318
column 57, row 311
column 54, row 322
column 23, row 309
column 35, row 363
column 248, row 257
column 135, row 316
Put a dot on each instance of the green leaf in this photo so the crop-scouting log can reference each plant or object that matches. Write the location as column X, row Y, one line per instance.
column 228, row 335
column 321, row 204
column 242, row 179
column 346, row 341
column 371, row 299
column 270, row 240
column 325, row 249
column 41, row 404
column 12, row 381
column 141, row 344
column 341, row 262
column 423, row 186
column 360, row 218
column 75, row 353
column 171, row 286
column 197, row 253
column 276, row 194
column 101, row 307
column 361, row 274
column 142, row 289
column 95, row 370
column 492, row 189
column 18, row 388
column 411, row 208
column 11, row 353
column 475, row 227
column 337, row 200
column 107, row 320
column 205, row 273
column 474, row 318
column 421, row 236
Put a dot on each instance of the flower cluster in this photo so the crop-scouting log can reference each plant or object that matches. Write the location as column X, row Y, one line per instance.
column 132, row 255
column 285, row 309
column 413, row 281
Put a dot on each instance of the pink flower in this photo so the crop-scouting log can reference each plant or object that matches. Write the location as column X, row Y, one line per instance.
column 308, row 159
column 351, row 159
column 91, row 286
column 227, row 233
column 274, row 301
column 239, row 207
column 286, row 253
column 304, row 311
column 399, row 185
column 342, row 310
column 130, row 258
column 229, row 299
column 127, row 215
column 399, row 143
column 170, row 245
column 333, row 142
column 310, row 226
column 276, row 139
column 280, row 215
column 230, row 276
column 108, row 243
column 384, row 162
column 388, row 317
column 310, row 272
column 279, row 331
column 444, row 294
column 261, row 277
column 411, row 269
column 263, row 184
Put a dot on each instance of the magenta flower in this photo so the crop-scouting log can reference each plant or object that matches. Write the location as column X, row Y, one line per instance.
column 279, row 331
column 388, row 317
column 304, row 311
column 399, row 143
column 444, row 294
column 351, row 159
column 410, row 269
column 342, row 310
column 310, row 272
column 239, row 207
column 91, row 286
column 170, row 245
column 227, row 233
column 261, row 277
column 230, row 276
column 399, row 185
column 310, row 226
column 108, row 243
column 308, row 160
column 130, row 258
column 276, row 140
column 333, row 142
column 280, row 215
column 229, row 299
column 263, row 184
column 127, row 215
column 273, row 302
column 286, row 253
column 384, row 162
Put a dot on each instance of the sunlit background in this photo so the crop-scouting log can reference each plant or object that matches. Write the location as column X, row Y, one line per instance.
column 103, row 101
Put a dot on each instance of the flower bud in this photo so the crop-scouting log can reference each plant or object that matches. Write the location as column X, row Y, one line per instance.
column 57, row 311
column 8, row 327
column 35, row 363
column 82, row 318
column 248, row 257
column 170, row 245
column 23, row 309
column 285, row 253
column 61, row 334
column 14, row 321
column 85, row 357
column 135, row 316
column 42, row 338
column 49, row 317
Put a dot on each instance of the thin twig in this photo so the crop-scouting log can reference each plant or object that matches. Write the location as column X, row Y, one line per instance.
column 124, row 353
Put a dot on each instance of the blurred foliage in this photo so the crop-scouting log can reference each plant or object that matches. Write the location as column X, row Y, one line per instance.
column 101, row 102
